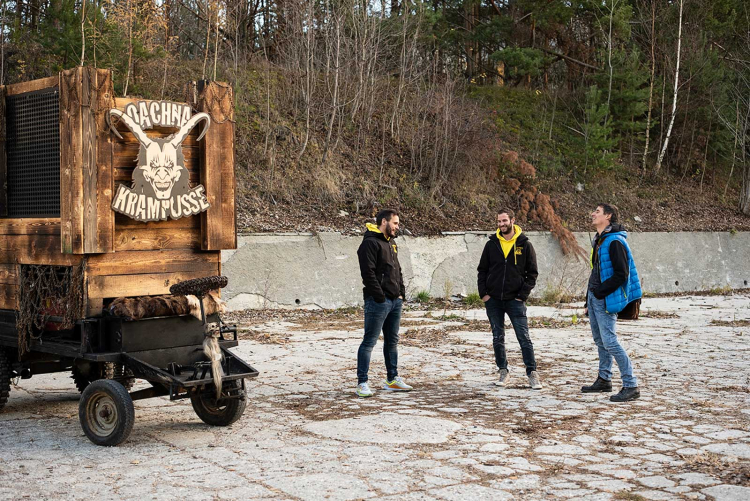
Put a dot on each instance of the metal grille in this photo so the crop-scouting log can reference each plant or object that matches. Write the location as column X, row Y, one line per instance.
column 33, row 153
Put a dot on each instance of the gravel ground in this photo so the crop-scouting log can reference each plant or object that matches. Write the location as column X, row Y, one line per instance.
column 305, row 435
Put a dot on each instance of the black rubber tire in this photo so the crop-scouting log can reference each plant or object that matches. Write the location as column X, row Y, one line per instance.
column 104, row 370
column 106, row 412
column 5, row 372
column 221, row 413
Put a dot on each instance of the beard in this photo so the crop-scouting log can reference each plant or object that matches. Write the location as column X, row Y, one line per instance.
column 391, row 232
column 505, row 229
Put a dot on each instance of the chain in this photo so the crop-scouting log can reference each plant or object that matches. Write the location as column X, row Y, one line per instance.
column 216, row 98
column 46, row 291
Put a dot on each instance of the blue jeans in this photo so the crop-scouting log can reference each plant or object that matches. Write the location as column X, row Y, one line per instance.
column 385, row 316
column 605, row 337
column 516, row 310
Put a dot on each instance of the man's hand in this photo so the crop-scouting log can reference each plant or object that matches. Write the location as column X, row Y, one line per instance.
column 486, row 298
column 586, row 311
column 519, row 299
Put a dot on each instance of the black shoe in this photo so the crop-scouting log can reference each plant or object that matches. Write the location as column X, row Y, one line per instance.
column 599, row 386
column 626, row 395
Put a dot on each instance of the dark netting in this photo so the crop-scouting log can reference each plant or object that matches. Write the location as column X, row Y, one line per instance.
column 33, row 153
column 45, row 292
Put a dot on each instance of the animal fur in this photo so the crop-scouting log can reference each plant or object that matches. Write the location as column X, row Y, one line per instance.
column 136, row 308
column 212, row 350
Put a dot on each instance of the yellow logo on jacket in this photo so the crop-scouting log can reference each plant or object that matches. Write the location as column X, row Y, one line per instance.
column 394, row 248
column 519, row 251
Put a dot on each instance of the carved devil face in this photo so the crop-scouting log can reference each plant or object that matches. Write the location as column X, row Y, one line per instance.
column 161, row 160
column 162, row 167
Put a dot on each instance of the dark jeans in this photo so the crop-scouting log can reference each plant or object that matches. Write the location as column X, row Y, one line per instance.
column 384, row 316
column 516, row 310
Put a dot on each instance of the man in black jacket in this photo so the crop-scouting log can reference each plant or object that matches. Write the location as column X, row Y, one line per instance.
column 507, row 273
column 384, row 296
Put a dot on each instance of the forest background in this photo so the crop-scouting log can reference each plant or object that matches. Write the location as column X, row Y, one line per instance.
column 446, row 109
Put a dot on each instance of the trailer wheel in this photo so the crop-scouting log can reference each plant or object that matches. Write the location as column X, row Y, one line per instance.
column 106, row 412
column 4, row 378
column 104, row 370
column 220, row 412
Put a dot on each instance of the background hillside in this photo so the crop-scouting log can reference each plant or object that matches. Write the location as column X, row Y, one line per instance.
column 445, row 109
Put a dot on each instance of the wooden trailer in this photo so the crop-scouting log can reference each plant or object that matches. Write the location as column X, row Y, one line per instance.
column 112, row 198
column 73, row 223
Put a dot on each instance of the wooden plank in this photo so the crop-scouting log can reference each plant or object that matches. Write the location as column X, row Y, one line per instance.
column 105, row 224
column 8, row 297
column 8, row 274
column 123, row 222
column 35, row 249
column 128, row 139
column 88, row 166
column 3, row 158
column 30, row 226
column 218, row 225
column 125, row 155
column 146, row 262
column 137, row 285
column 152, row 239
column 228, row 190
column 33, row 85
column 71, row 180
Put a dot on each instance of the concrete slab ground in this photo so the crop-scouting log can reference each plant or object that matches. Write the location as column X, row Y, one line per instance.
column 305, row 434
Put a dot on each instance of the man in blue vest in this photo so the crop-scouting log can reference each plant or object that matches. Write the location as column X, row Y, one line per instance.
column 612, row 285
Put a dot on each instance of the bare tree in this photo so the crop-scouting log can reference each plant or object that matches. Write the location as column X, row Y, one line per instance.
column 652, row 36
column 674, row 99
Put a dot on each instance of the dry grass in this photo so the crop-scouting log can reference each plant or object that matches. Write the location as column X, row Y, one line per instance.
column 731, row 323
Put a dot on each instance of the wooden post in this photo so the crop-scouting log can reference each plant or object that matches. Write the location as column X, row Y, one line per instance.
column 3, row 158
column 218, row 223
column 105, row 216
column 86, row 221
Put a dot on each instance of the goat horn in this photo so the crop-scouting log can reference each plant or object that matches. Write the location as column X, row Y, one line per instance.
column 185, row 129
column 131, row 124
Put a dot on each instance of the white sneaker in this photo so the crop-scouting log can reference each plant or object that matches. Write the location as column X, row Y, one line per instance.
column 397, row 385
column 534, row 381
column 363, row 390
column 504, row 375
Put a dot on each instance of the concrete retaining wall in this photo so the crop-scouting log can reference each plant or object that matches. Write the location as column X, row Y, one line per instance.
column 304, row 270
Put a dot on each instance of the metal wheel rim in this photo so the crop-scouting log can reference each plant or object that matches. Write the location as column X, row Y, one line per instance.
column 213, row 407
column 101, row 413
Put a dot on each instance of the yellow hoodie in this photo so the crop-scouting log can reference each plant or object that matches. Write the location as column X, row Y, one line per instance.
column 374, row 229
column 507, row 245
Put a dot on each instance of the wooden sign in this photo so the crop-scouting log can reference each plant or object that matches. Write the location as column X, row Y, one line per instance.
column 160, row 188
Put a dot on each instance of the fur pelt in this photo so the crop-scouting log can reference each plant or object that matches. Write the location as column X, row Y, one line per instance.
column 136, row 308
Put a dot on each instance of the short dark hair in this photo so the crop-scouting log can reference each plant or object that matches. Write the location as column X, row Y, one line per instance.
column 612, row 210
column 386, row 214
column 509, row 212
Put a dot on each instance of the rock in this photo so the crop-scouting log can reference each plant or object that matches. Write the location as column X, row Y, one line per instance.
column 579, row 187
column 656, row 482
column 728, row 492
column 637, row 219
column 739, row 450
column 560, row 449
column 343, row 213
column 411, row 429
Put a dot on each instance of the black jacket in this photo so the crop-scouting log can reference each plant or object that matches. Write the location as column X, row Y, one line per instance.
column 619, row 257
column 378, row 263
column 507, row 278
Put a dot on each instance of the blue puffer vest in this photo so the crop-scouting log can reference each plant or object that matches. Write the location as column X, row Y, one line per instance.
column 630, row 290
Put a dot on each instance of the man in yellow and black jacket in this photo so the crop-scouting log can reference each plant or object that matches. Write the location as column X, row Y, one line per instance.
column 507, row 273
column 384, row 296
